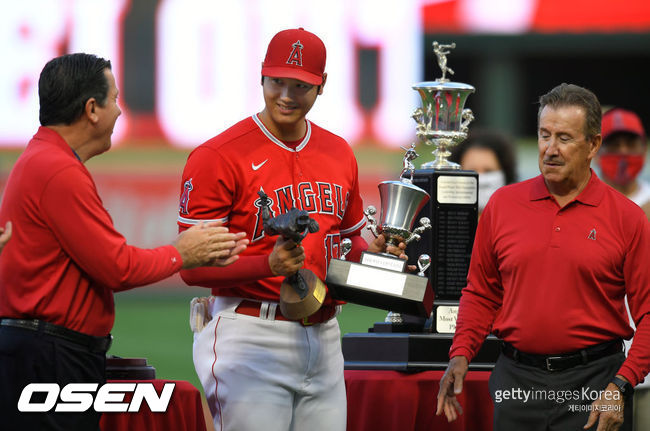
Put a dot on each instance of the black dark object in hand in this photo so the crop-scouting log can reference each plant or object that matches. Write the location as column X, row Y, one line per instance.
column 294, row 224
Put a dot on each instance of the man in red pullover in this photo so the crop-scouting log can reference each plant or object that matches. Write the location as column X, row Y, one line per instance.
column 553, row 259
column 65, row 260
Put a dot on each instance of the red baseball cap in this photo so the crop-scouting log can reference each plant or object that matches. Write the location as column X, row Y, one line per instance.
column 620, row 120
column 296, row 54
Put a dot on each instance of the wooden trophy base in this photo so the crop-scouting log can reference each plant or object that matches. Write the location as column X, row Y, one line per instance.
column 293, row 306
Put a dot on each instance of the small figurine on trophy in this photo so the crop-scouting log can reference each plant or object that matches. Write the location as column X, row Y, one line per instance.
column 408, row 166
column 302, row 293
column 440, row 52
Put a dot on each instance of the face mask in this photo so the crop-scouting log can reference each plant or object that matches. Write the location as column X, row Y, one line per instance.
column 621, row 169
column 488, row 183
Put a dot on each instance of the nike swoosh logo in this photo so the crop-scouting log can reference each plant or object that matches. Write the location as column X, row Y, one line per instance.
column 256, row 167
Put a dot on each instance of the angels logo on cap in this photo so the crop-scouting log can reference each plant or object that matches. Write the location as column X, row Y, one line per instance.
column 296, row 54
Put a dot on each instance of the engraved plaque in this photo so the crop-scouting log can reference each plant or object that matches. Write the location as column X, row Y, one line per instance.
column 453, row 214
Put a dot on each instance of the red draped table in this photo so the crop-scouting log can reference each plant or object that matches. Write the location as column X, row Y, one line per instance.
column 392, row 400
column 184, row 413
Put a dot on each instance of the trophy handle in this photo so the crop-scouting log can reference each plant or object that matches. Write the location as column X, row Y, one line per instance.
column 372, row 222
column 425, row 224
column 467, row 117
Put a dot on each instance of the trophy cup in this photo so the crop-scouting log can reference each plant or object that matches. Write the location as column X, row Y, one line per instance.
column 379, row 279
column 442, row 120
column 302, row 293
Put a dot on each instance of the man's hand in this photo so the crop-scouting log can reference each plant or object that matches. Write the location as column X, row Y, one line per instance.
column 379, row 246
column 5, row 234
column 607, row 409
column 451, row 385
column 209, row 244
column 287, row 257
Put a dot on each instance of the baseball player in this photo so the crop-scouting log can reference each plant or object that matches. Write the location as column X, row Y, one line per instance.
column 258, row 369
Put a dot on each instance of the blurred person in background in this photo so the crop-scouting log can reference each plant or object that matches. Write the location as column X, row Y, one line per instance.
column 622, row 155
column 621, row 159
column 492, row 155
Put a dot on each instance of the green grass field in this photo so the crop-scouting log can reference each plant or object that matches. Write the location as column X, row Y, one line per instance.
column 153, row 323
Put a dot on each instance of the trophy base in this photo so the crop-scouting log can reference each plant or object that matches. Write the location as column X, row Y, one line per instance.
column 379, row 288
column 410, row 352
column 293, row 306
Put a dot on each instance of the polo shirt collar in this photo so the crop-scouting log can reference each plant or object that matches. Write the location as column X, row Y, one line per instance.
column 47, row 135
column 591, row 195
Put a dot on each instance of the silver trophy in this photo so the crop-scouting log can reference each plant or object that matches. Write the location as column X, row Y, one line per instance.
column 442, row 120
column 401, row 202
column 380, row 279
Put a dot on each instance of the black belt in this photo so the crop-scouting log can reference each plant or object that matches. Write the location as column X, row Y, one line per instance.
column 563, row 361
column 95, row 344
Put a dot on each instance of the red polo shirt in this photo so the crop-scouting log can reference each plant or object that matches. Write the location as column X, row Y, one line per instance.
column 65, row 258
column 552, row 280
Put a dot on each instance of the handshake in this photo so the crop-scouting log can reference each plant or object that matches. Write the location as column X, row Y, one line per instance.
column 209, row 244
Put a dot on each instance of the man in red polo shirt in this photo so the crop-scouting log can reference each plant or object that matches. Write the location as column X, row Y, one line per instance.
column 553, row 259
column 65, row 260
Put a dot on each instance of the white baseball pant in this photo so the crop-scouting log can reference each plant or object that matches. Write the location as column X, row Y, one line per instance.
column 271, row 375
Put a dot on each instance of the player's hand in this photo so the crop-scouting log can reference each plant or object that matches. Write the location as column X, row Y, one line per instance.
column 379, row 246
column 607, row 410
column 451, row 385
column 5, row 234
column 286, row 258
column 209, row 244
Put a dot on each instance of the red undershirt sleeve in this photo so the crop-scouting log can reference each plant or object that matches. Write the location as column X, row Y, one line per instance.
column 245, row 270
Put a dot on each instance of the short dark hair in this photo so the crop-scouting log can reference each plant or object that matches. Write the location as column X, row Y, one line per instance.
column 574, row 95
column 497, row 142
column 65, row 85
